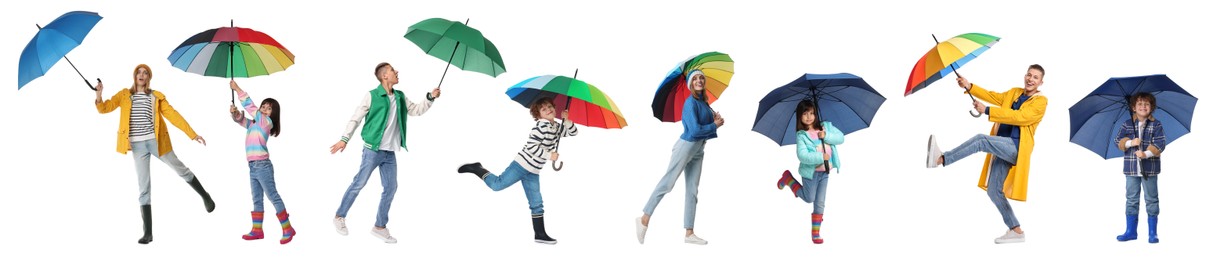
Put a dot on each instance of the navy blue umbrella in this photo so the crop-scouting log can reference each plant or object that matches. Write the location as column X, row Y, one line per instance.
column 52, row 43
column 843, row 99
column 1095, row 121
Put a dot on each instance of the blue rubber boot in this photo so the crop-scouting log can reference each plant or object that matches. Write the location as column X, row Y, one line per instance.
column 1130, row 230
column 1153, row 229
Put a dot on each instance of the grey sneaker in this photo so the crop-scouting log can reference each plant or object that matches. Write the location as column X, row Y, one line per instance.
column 932, row 153
column 693, row 239
column 640, row 230
column 340, row 225
column 1010, row 237
column 383, row 234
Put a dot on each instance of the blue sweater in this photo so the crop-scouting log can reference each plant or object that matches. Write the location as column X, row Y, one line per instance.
column 698, row 119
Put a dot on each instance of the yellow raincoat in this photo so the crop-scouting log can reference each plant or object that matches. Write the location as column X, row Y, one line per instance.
column 1027, row 118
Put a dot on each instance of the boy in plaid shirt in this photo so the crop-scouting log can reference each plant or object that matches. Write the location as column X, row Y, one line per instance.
column 1142, row 140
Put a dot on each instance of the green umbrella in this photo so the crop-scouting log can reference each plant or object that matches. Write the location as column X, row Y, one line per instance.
column 462, row 45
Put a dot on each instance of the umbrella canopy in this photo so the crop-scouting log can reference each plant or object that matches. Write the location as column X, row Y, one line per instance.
column 844, row 99
column 53, row 42
column 670, row 97
column 946, row 57
column 587, row 104
column 458, row 44
column 1094, row 122
column 231, row 52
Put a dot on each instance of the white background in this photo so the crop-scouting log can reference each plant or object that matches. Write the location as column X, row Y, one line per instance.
column 65, row 192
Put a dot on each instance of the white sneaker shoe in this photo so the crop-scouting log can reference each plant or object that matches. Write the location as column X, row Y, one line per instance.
column 693, row 239
column 1010, row 237
column 932, row 153
column 640, row 229
column 340, row 225
column 383, row 234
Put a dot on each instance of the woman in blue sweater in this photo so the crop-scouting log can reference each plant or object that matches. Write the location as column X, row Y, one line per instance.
column 701, row 124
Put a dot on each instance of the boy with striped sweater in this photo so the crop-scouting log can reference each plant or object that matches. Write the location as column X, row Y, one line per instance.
column 529, row 161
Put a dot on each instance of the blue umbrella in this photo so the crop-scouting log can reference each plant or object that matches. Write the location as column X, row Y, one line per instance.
column 843, row 99
column 53, row 42
column 1095, row 121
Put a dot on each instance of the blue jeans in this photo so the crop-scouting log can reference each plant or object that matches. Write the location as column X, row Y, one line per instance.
column 686, row 156
column 143, row 151
column 1005, row 155
column 531, row 182
column 813, row 191
column 372, row 159
column 262, row 181
column 1132, row 193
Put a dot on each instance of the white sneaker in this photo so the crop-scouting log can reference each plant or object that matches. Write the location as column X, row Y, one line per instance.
column 383, row 234
column 1010, row 237
column 693, row 239
column 932, row 153
column 340, row 225
column 640, row 229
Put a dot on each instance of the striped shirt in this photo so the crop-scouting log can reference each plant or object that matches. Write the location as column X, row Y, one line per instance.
column 257, row 130
column 541, row 141
column 141, row 118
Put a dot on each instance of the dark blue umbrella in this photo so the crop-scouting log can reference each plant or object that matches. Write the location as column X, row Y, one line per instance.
column 843, row 99
column 52, row 43
column 1095, row 121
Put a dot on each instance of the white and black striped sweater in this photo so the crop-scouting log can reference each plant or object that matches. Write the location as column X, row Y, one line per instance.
column 141, row 117
column 541, row 142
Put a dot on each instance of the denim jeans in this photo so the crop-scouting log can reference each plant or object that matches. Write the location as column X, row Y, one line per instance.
column 143, row 151
column 1132, row 193
column 813, row 191
column 531, row 182
column 262, row 181
column 687, row 157
column 372, row 159
column 1005, row 155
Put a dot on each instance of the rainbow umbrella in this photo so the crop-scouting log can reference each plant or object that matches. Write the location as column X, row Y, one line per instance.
column 587, row 105
column 231, row 52
column 670, row 97
column 946, row 57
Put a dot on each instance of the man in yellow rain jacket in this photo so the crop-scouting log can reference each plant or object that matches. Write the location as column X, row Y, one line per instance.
column 1015, row 115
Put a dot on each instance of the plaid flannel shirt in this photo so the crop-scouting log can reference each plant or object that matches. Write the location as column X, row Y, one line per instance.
column 1151, row 134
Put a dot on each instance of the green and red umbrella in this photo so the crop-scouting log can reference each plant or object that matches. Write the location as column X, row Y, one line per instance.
column 587, row 105
column 231, row 52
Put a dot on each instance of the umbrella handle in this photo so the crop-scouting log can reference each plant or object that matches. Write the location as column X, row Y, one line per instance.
column 975, row 114
column 557, row 166
column 91, row 85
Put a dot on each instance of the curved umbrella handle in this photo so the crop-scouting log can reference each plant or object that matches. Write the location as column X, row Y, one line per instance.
column 975, row 114
column 557, row 166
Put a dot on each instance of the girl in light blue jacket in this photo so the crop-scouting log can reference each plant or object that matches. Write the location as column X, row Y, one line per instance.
column 817, row 152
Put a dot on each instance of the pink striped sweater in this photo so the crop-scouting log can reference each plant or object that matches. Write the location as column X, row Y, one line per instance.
column 257, row 130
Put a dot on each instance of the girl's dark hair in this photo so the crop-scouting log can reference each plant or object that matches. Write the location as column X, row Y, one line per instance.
column 274, row 116
column 535, row 108
column 802, row 108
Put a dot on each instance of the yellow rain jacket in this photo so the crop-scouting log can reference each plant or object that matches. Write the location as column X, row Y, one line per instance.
column 160, row 110
column 1027, row 118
